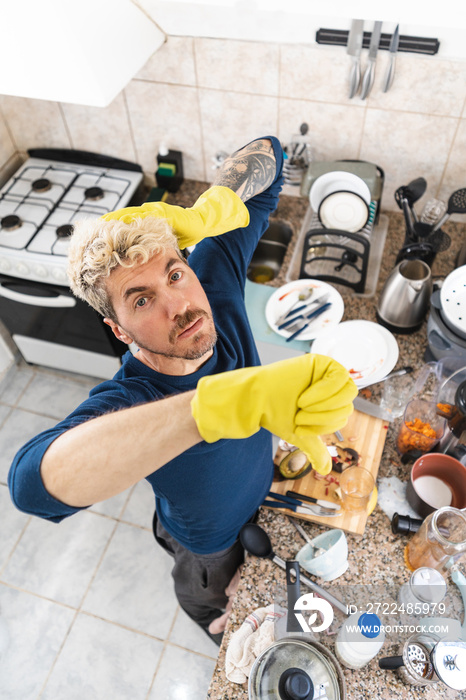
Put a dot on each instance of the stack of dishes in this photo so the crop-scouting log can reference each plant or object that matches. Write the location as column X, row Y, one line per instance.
column 341, row 200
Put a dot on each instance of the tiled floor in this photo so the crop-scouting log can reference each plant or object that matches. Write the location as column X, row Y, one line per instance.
column 87, row 608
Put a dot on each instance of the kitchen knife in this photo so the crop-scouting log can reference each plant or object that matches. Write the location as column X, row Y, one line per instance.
column 354, row 50
column 390, row 74
column 304, row 313
column 309, row 319
column 371, row 409
column 302, row 510
column 369, row 75
column 311, row 499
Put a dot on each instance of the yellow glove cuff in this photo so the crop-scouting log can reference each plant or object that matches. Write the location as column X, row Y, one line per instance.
column 217, row 211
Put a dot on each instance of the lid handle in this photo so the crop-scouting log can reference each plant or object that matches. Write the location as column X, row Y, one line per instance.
column 295, row 684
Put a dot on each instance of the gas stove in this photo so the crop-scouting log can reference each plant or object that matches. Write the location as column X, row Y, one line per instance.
column 52, row 190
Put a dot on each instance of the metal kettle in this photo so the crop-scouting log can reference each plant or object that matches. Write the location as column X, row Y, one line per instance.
column 405, row 297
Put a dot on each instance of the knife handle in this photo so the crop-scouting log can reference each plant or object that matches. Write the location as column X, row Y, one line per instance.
column 310, row 318
column 355, row 77
column 368, row 79
column 389, row 75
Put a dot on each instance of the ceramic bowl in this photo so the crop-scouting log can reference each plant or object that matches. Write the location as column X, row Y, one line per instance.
column 333, row 562
column 426, row 496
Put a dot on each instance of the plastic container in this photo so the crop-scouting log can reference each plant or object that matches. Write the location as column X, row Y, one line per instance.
column 423, row 592
column 359, row 639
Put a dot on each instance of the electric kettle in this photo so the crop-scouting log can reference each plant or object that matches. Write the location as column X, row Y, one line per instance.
column 405, row 297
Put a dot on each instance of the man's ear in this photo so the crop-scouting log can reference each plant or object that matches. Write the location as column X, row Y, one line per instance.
column 118, row 331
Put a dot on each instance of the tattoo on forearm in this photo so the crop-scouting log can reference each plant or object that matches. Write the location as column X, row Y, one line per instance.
column 248, row 171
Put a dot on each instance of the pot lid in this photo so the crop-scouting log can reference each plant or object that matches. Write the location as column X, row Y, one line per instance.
column 294, row 669
column 453, row 301
column 449, row 660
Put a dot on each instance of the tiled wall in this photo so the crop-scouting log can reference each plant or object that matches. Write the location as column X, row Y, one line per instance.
column 204, row 95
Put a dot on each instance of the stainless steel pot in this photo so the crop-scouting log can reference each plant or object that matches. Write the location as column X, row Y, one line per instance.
column 296, row 667
column 405, row 297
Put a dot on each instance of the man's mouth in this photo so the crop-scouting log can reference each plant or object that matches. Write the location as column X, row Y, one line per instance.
column 191, row 329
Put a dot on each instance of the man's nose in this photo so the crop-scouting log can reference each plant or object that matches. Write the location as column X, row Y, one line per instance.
column 176, row 304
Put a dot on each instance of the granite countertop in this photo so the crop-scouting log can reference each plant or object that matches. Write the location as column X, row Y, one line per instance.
column 376, row 558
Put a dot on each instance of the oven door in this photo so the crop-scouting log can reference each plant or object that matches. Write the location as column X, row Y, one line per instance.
column 53, row 328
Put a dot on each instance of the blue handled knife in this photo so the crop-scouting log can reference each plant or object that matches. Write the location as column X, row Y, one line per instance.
column 309, row 319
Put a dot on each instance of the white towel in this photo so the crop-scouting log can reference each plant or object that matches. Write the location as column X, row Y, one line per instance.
column 254, row 636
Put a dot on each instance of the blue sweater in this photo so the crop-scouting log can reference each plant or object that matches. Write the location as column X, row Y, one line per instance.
column 207, row 493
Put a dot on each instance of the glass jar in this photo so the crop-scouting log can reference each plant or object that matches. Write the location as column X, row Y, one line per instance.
column 439, row 542
column 421, row 428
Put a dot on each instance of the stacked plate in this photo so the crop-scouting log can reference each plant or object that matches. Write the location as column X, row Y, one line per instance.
column 341, row 200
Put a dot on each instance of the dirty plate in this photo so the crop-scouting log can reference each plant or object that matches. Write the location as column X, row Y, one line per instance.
column 285, row 297
column 368, row 351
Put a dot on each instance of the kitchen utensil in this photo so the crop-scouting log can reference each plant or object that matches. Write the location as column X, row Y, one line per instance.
column 372, row 409
column 356, row 485
column 442, row 341
column 359, row 639
column 453, row 301
column 425, row 660
column 423, row 592
column 405, row 297
column 402, row 201
column 307, row 321
column 414, row 191
column 302, row 296
column 292, row 594
column 280, row 299
column 301, row 530
column 368, row 78
column 256, row 541
column 302, row 509
column 433, row 210
column 310, row 499
column 456, row 205
column 354, row 50
column 303, row 312
column 390, row 74
column 367, row 350
column 432, row 546
column 436, row 480
column 438, row 240
column 337, row 181
column 326, row 556
column 293, row 668
column 346, row 211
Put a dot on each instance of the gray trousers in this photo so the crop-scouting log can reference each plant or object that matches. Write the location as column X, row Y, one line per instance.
column 200, row 579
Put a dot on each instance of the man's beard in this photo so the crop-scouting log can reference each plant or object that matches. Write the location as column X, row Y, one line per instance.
column 199, row 349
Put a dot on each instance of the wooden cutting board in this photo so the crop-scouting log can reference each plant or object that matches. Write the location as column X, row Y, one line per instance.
column 363, row 433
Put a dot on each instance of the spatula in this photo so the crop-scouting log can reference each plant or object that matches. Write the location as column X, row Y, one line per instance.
column 456, row 205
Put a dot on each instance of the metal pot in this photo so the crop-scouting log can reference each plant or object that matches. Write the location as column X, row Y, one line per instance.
column 296, row 668
column 405, row 297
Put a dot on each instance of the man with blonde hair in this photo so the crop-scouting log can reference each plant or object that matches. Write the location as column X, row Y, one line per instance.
column 191, row 411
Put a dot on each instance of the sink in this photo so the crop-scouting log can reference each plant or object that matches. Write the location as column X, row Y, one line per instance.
column 270, row 252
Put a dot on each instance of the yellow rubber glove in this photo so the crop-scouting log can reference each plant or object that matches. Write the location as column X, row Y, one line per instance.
column 217, row 211
column 297, row 400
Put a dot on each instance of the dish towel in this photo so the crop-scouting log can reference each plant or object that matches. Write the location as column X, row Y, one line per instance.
column 254, row 636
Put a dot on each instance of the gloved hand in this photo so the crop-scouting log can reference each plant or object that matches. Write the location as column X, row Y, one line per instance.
column 297, row 400
column 216, row 211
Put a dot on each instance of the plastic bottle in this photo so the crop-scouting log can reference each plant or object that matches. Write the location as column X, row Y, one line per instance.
column 359, row 639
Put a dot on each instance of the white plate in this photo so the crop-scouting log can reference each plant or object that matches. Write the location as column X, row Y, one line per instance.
column 367, row 350
column 346, row 211
column 334, row 181
column 453, row 300
column 281, row 300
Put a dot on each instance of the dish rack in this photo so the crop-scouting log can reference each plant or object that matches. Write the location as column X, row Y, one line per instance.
column 351, row 260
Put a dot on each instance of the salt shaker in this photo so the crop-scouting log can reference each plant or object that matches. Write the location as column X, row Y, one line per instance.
column 359, row 639
column 423, row 592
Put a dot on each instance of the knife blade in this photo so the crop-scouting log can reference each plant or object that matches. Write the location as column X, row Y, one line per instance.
column 354, row 50
column 390, row 74
column 369, row 75
column 371, row 409
column 309, row 319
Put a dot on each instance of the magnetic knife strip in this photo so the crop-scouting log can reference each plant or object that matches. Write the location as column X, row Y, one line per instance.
column 412, row 44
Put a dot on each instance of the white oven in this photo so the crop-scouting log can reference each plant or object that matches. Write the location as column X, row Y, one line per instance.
column 38, row 206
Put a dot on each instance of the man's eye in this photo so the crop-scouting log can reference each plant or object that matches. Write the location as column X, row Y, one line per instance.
column 141, row 302
column 176, row 276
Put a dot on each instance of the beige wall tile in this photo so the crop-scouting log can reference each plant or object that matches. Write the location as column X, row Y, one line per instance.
column 318, row 74
column 421, row 84
column 454, row 177
column 101, row 129
column 335, row 131
column 230, row 121
column 7, row 147
column 169, row 114
column 407, row 146
column 240, row 66
column 35, row 123
column 172, row 63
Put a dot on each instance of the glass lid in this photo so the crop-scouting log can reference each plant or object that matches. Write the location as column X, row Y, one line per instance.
column 293, row 669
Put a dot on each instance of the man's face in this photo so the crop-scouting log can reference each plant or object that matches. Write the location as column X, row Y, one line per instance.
column 162, row 307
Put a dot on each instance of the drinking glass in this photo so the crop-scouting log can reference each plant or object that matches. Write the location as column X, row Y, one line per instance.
column 356, row 484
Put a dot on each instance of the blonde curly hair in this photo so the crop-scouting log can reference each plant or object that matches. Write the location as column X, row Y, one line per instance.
column 97, row 247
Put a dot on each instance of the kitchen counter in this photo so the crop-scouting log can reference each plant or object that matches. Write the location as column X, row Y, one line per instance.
column 375, row 558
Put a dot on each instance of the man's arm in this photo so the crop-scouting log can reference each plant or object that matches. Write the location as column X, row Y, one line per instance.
column 248, row 171
column 106, row 455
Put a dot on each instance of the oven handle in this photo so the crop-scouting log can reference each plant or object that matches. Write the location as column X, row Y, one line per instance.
column 56, row 302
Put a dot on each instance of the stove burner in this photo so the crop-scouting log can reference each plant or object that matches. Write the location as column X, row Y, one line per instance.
column 94, row 193
column 41, row 185
column 64, row 231
column 11, row 222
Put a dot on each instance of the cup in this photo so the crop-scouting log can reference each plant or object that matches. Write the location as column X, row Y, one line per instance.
column 397, row 391
column 421, row 429
column 357, row 485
